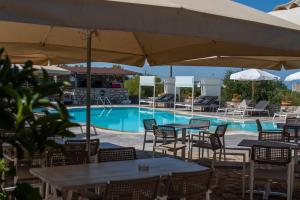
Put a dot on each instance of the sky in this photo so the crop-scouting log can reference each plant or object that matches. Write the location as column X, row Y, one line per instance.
column 163, row 71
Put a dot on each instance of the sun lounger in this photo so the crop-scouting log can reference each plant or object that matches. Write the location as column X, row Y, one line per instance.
column 260, row 107
column 200, row 102
column 285, row 115
column 227, row 110
column 165, row 100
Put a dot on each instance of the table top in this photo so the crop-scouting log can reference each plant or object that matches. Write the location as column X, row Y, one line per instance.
column 250, row 143
column 87, row 175
column 187, row 126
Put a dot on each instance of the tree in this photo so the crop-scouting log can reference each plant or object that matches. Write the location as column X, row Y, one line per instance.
column 132, row 85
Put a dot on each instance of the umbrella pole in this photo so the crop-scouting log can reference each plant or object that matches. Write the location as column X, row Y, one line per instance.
column 88, row 89
column 253, row 91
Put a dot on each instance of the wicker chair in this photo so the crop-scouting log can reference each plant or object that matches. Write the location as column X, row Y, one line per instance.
column 77, row 157
column 278, row 167
column 218, row 163
column 292, row 121
column 169, row 139
column 139, row 189
column 203, row 131
column 274, row 136
column 204, row 144
column 293, row 131
column 80, row 145
column 260, row 128
column 60, row 158
column 189, row 185
column 116, row 154
column 148, row 126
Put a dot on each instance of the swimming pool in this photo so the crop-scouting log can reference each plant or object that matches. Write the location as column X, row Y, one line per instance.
column 130, row 119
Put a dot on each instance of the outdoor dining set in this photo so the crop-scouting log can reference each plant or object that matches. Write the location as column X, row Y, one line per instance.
column 117, row 173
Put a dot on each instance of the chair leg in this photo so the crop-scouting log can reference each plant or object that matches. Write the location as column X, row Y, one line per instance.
column 289, row 182
column 207, row 194
column 145, row 137
column 224, row 148
column 244, row 180
column 251, row 179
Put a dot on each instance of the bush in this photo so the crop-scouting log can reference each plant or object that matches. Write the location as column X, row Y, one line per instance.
column 132, row 85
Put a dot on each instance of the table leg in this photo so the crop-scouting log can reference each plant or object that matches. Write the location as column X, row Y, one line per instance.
column 183, row 142
column 67, row 195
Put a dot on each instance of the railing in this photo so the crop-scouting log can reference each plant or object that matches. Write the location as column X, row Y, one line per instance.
column 103, row 101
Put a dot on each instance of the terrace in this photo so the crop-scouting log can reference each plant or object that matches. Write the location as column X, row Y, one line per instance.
column 77, row 133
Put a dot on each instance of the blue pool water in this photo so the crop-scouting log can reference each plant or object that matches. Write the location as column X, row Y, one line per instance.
column 130, row 119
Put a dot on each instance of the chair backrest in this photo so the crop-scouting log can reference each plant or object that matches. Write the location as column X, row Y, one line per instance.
column 262, row 105
column 55, row 158
column 148, row 124
column 116, row 154
column 244, row 103
column 221, row 130
column 138, row 189
column 297, row 111
column 274, row 136
column 271, row 155
column 202, row 122
column 215, row 142
column 164, row 131
column 208, row 100
column 292, row 130
column 292, row 121
column 80, row 145
column 161, row 96
column 189, row 185
column 77, row 157
column 60, row 158
column 258, row 125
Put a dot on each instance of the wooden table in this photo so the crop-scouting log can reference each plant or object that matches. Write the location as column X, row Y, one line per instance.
column 184, row 128
column 250, row 143
column 72, row 177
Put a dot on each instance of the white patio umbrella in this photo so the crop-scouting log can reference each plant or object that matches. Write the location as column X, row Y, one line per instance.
column 293, row 77
column 128, row 31
column 253, row 75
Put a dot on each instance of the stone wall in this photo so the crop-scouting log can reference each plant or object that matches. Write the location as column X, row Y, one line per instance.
column 78, row 95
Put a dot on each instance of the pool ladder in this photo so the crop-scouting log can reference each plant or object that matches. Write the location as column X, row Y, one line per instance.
column 103, row 101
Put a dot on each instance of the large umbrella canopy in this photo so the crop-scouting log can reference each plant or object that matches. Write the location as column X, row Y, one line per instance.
column 253, row 75
column 291, row 14
column 127, row 31
column 258, row 62
column 293, row 77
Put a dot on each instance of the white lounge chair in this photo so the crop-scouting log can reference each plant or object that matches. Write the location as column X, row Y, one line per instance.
column 285, row 115
column 243, row 105
column 260, row 107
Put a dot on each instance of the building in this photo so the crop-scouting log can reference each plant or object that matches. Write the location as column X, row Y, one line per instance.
column 107, row 84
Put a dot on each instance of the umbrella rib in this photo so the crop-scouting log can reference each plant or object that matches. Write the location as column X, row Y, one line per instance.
column 43, row 42
column 140, row 44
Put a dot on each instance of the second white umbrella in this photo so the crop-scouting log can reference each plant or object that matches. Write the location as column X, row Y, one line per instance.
column 253, row 75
